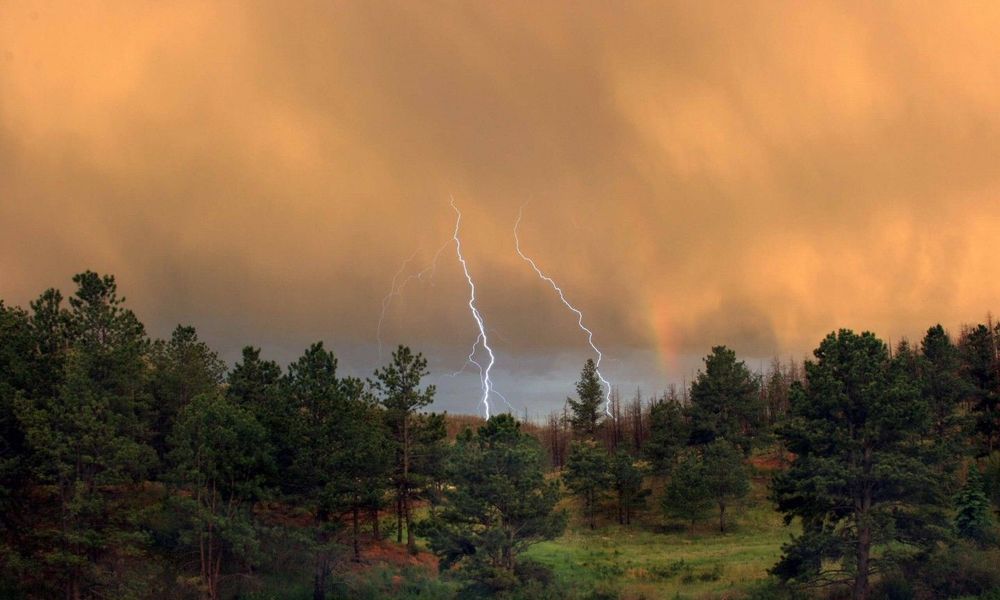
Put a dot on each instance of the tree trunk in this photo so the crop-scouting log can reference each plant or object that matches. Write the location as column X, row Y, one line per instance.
column 861, row 515
column 322, row 564
column 73, row 588
column 216, row 574
column 319, row 580
column 722, row 517
column 411, row 541
column 374, row 517
column 864, row 550
column 357, row 529
column 399, row 514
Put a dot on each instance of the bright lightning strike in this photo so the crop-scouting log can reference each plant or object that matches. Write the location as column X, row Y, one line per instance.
column 484, row 372
column 579, row 315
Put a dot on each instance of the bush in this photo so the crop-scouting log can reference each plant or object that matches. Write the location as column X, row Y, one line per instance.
column 530, row 571
column 410, row 583
column 894, row 587
column 772, row 589
column 959, row 570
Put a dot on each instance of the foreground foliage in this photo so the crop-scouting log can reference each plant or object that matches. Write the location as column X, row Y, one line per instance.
column 496, row 506
column 140, row 468
column 863, row 478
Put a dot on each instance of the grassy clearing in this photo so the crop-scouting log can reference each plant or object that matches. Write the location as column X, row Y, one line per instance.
column 639, row 562
column 649, row 560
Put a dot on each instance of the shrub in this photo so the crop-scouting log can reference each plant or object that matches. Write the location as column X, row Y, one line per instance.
column 953, row 571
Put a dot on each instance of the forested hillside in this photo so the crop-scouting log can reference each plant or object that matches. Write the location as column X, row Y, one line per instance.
column 133, row 467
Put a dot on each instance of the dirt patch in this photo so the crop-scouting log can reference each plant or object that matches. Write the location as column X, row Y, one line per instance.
column 771, row 461
column 390, row 553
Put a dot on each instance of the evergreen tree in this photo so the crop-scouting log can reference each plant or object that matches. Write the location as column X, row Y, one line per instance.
column 990, row 470
column 345, row 454
column 726, row 478
column 862, row 478
column 498, row 503
column 183, row 367
column 398, row 389
column 586, row 409
column 687, row 497
column 724, row 401
column 87, row 430
column 669, row 431
column 359, row 456
column 430, row 455
column 50, row 328
column 972, row 510
column 318, row 401
column 16, row 365
column 943, row 387
column 979, row 356
column 252, row 383
column 711, row 475
column 257, row 386
column 627, row 477
column 218, row 456
column 588, row 475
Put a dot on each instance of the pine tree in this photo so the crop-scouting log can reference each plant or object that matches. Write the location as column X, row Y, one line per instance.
column 586, row 409
column 318, row 477
column 972, row 510
column 497, row 505
column 587, row 474
column 982, row 372
column 17, row 353
column 687, row 496
column 182, row 367
column 669, row 430
column 627, row 477
column 85, row 425
column 708, row 475
column 862, row 478
column 943, row 386
column 430, row 455
column 355, row 455
column 726, row 478
column 725, row 402
column 218, row 455
column 257, row 386
column 398, row 388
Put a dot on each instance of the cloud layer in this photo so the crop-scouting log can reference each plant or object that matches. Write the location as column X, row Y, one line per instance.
column 696, row 173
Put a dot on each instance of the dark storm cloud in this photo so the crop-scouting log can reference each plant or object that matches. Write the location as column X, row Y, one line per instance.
column 752, row 174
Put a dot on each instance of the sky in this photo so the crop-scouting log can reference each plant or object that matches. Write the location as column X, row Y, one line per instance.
column 754, row 174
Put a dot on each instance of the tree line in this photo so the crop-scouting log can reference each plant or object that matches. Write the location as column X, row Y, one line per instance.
column 131, row 466
column 887, row 457
column 106, row 433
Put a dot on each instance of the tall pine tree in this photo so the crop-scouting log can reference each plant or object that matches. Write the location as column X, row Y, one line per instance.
column 86, row 426
column 586, row 408
column 498, row 503
column 725, row 402
column 863, row 483
column 399, row 391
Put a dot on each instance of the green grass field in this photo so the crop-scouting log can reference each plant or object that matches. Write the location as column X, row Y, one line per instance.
column 647, row 560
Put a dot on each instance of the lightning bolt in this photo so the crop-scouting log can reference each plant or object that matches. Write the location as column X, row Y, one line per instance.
column 579, row 315
column 396, row 289
column 484, row 372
